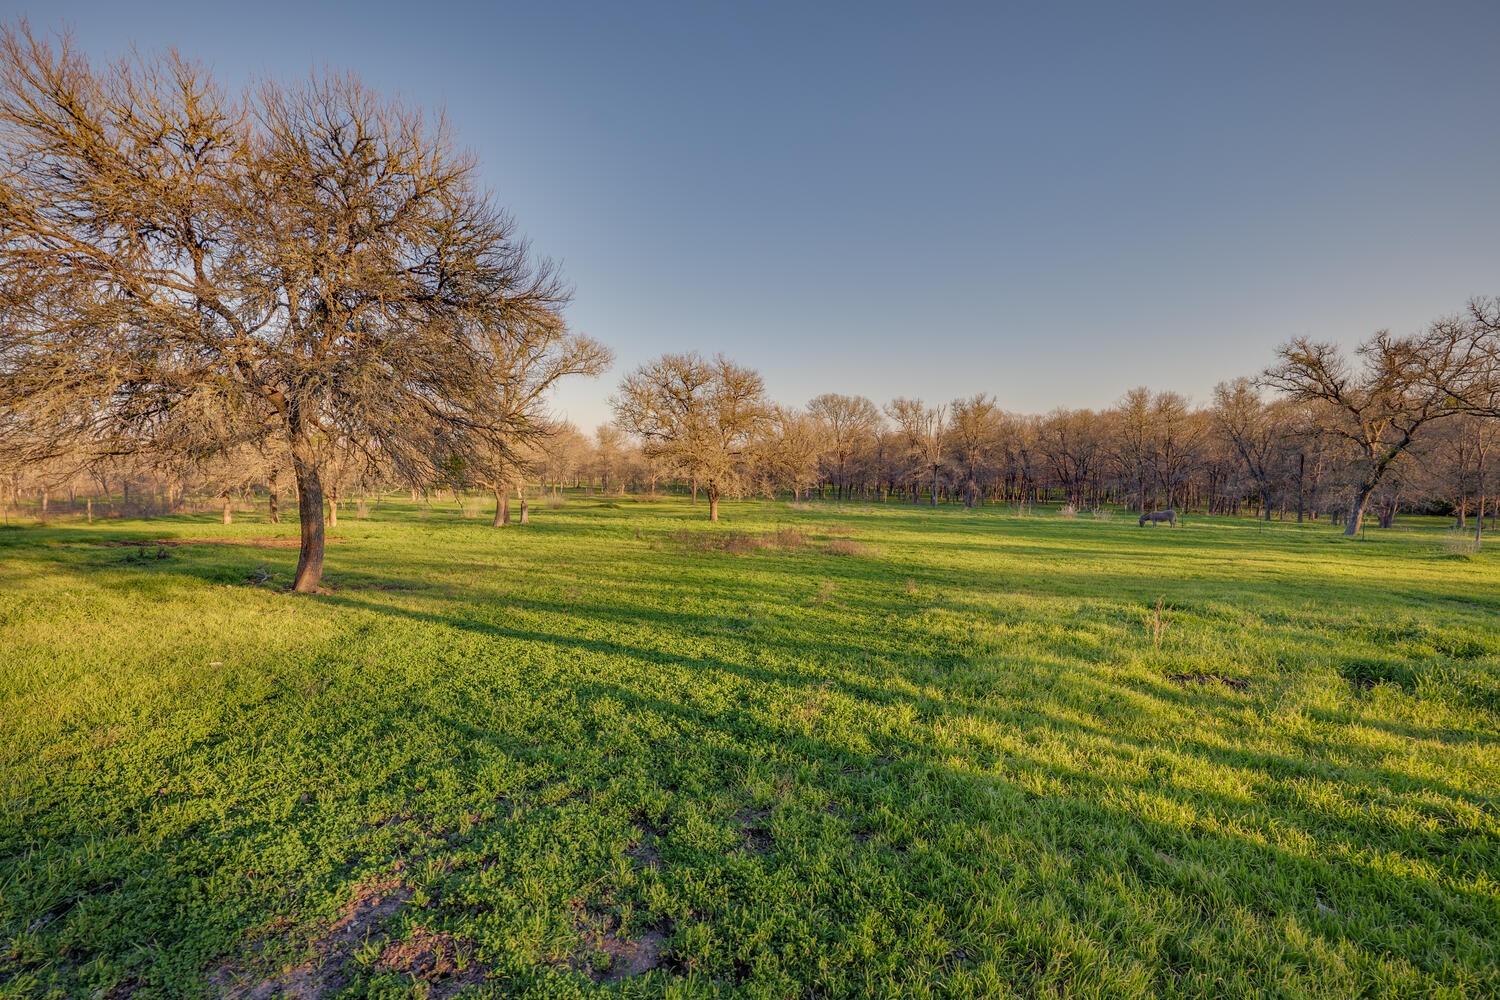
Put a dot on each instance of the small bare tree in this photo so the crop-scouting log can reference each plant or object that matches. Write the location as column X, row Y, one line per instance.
column 699, row 415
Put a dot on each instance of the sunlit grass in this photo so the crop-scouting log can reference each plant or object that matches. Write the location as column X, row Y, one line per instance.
column 811, row 751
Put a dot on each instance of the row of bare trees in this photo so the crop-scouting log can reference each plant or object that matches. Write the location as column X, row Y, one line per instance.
column 306, row 289
column 1410, row 419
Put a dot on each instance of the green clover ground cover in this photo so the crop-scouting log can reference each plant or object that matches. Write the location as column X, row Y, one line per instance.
column 813, row 751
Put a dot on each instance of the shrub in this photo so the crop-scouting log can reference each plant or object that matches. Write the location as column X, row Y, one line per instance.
column 790, row 538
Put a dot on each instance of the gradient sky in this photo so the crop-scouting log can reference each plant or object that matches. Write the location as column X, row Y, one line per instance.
column 1049, row 202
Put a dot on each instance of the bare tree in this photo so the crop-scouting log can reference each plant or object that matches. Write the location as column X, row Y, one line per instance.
column 313, row 262
column 925, row 430
column 1134, row 442
column 1247, row 422
column 974, row 435
column 1176, row 431
column 846, row 423
column 563, row 452
column 787, row 449
column 698, row 414
column 1071, row 441
column 1401, row 385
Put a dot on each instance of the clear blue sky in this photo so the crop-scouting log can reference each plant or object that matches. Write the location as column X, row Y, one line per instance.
column 1049, row 202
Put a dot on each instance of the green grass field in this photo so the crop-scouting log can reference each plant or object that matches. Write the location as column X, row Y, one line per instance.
column 869, row 751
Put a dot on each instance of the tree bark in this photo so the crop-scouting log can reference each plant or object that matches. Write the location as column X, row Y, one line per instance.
column 1357, row 511
column 713, row 504
column 274, row 503
column 90, row 503
column 525, row 511
column 502, row 509
column 228, row 511
column 310, row 514
column 333, row 513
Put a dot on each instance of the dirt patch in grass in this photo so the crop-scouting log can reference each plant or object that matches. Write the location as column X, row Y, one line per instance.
column 1233, row 683
column 605, row 955
column 326, row 972
column 755, row 829
column 433, row 959
column 644, row 852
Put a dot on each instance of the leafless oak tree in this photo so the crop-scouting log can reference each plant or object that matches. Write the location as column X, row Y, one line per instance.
column 699, row 415
column 845, row 423
column 310, row 262
column 1401, row 385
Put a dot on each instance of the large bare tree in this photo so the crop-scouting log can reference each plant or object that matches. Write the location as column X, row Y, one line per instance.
column 699, row 415
column 311, row 263
column 1379, row 407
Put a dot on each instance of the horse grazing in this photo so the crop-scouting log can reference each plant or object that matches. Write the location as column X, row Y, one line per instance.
column 1158, row 516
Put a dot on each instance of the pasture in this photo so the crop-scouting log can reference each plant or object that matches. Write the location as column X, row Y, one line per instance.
column 811, row 751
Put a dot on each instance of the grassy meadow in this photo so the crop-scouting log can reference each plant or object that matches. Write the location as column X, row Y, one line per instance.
column 812, row 751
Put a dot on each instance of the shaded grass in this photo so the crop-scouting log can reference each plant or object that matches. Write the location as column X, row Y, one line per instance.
column 962, row 761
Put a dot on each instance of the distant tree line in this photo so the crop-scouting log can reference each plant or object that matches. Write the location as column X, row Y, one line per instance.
column 1409, row 421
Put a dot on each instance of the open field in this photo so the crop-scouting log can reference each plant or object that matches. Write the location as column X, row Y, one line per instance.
column 809, row 752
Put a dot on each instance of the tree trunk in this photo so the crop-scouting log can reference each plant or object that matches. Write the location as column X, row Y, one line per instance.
column 525, row 511
column 1388, row 515
column 274, row 504
column 1265, row 502
column 502, row 509
column 90, row 503
column 228, row 511
column 310, row 514
column 1357, row 511
column 333, row 513
column 713, row 504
